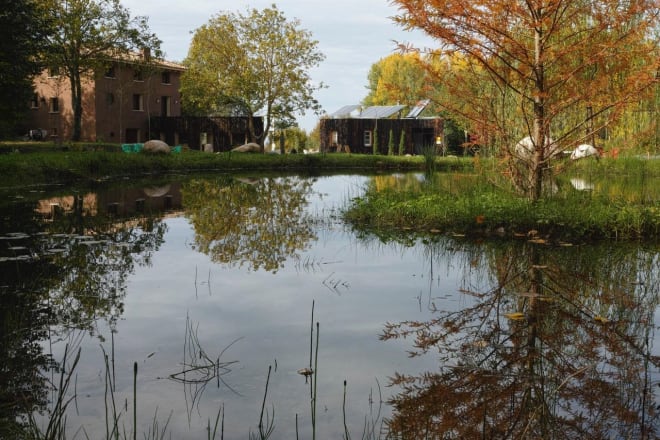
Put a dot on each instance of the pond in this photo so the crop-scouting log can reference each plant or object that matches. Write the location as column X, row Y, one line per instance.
column 164, row 305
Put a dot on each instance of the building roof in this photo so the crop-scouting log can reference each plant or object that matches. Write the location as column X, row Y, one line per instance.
column 381, row 111
column 140, row 57
column 347, row 111
column 418, row 108
column 376, row 111
column 372, row 112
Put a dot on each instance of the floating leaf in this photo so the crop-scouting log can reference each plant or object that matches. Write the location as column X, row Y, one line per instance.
column 305, row 372
column 515, row 316
column 601, row 319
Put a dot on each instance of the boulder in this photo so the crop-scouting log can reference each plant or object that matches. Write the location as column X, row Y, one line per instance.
column 585, row 150
column 248, row 148
column 524, row 149
column 156, row 146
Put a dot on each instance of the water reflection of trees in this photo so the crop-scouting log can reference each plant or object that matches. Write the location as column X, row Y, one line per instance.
column 560, row 347
column 93, row 255
column 258, row 222
column 57, row 274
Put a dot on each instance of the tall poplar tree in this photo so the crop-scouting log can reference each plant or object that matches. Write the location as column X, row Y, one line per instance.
column 551, row 58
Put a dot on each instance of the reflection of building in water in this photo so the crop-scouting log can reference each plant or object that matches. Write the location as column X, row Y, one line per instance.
column 50, row 208
column 124, row 202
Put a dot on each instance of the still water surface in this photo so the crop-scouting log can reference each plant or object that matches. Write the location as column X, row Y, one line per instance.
column 208, row 285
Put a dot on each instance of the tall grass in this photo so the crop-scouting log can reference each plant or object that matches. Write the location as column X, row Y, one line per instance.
column 429, row 154
column 55, row 428
column 473, row 206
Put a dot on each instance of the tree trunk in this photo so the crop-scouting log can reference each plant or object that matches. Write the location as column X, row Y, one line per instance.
column 537, row 163
column 253, row 135
column 76, row 103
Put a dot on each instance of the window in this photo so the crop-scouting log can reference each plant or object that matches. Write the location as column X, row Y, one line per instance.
column 53, row 72
column 34, row 102
column 54, row 105
column 367, row 138
column 109, row 98
column 165, row 78
column 138, row 75
column 110, row 72
column 138, row 102
column 334, row 137
column 165, row 106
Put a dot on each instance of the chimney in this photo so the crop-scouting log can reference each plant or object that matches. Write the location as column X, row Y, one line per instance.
column 146, row 54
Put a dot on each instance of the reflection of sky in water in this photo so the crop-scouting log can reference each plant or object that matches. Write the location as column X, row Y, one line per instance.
column 357, row 288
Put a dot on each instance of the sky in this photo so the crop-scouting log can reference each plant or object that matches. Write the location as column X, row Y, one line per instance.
column 352, row 34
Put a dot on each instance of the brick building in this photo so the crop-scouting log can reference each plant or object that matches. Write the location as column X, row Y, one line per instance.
column 118, row 102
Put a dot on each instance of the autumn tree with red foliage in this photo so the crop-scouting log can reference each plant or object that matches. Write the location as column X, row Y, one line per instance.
column 529, row 68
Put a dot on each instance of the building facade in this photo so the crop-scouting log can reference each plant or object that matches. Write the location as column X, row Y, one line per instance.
column 208, row 133
column 118, row 102
column 356, row 130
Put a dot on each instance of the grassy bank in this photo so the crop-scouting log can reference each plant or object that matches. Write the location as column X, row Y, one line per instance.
column 625, row 204
column 68, row 166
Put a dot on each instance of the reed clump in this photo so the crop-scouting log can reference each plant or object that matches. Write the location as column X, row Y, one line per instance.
column 622, row 208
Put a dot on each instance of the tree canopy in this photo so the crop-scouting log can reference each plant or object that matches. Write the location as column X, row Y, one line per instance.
column 398, row 78
column 406, row 78
column 245, row 64
column 559, row 69
column 90, row 34
column 22, row 37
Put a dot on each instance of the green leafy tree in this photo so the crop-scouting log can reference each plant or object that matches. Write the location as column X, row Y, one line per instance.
column 295, row 139
column 544, row 62
column 313, row 140
column 90, row 33
column 251, row 63
column 23, row 30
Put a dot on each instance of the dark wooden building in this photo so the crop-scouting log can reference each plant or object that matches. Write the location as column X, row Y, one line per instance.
column 220, row 133
column 353, row 129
